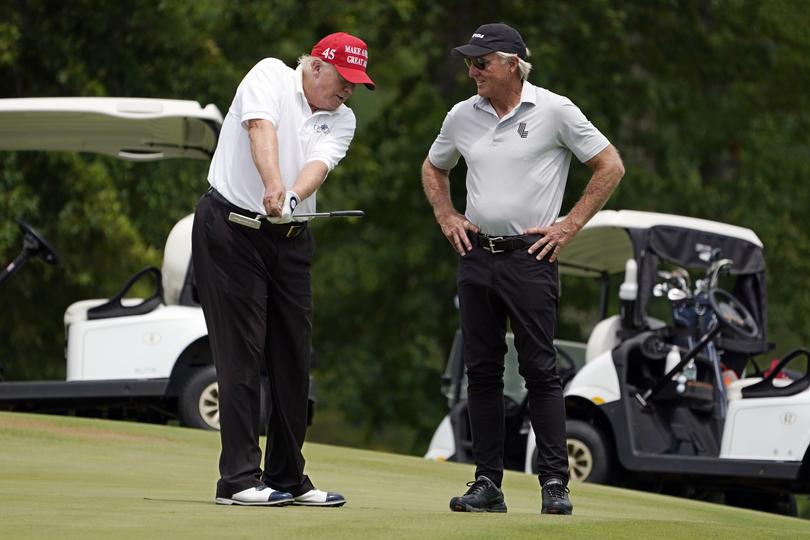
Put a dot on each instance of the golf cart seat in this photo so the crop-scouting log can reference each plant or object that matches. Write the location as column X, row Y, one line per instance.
column 735, row 389
column 774, row 385
column 605, row 335
column 178, row 277
column 172, row 286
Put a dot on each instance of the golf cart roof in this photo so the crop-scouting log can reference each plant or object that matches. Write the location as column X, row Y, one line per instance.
column 605, row 243
column 136, row 129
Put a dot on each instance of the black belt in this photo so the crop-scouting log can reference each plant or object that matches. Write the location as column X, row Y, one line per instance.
column 499, row 244
column 288, row 230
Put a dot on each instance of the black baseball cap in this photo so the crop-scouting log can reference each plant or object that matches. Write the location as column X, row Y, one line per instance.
column 493, row 37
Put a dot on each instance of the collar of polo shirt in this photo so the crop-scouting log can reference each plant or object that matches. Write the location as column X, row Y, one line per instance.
column 527, row 95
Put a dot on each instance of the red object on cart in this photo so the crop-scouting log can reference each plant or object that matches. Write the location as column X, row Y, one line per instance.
column 774, row 363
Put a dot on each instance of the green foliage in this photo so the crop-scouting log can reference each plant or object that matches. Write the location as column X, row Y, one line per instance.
column 705, row 99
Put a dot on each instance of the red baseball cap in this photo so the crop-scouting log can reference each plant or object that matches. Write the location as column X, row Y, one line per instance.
column 348, row 54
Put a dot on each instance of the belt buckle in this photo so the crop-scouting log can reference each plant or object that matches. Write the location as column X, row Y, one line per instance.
column 293, row 231
column 491, row 246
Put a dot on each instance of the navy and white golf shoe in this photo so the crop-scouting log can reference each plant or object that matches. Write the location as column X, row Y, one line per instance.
column 257, row 496
column 316, row 497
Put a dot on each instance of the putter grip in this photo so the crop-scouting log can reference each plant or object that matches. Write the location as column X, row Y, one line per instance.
column 347, row 213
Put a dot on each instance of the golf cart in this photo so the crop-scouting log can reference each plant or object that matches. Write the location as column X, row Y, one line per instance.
column 149, row 357
column 669, row 397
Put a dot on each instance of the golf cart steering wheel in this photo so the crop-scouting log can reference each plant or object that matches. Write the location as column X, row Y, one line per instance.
column 35, row 245
column 733, row 314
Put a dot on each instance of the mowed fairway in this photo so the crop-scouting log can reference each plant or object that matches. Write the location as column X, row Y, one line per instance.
column 77, row 478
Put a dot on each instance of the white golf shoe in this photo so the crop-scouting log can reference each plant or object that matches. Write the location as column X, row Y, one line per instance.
column 257, row 496
column 316, row 497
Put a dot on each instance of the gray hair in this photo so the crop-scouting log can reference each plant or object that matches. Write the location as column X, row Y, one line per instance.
column 306, row 61
column 524, row 66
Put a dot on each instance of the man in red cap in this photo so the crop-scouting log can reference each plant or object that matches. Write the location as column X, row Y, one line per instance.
column 285, row 130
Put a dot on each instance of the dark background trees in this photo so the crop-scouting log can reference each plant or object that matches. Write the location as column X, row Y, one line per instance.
column 706, row 100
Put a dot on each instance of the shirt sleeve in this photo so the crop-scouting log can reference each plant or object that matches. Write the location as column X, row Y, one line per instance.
column 577, row 133
column 259, row 94
column 333, row 147
column 443, row 152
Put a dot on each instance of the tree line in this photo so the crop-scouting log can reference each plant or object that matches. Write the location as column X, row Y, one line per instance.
column 705, row 99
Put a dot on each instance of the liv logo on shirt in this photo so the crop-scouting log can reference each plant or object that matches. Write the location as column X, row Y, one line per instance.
column 322, row 128
column 522, row 130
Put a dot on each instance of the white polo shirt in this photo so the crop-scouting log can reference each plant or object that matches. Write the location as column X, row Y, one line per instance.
column 273, row 91
column 517, row 166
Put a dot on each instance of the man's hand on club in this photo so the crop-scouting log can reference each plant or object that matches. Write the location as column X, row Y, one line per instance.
column 273, row 200
column 291, row 201
column 454, row 227
column 554, row 238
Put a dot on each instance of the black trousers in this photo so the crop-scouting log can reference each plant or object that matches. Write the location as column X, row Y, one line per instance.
column 255, row 291
column 492, row 288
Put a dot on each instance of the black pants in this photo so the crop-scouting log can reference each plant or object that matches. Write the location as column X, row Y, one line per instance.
column 492, row 287
column 255, row 291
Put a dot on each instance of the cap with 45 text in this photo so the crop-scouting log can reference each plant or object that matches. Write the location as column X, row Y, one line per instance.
column 349, row 55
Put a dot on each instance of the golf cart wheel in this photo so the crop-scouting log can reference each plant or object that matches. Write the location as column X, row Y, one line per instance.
column 588, row 454
column 198, row 405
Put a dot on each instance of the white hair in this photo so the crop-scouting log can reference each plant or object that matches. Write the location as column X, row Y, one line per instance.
column 524, row 66
column 306, row 61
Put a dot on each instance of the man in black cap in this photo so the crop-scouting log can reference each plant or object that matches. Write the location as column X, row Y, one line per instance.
column 517, row 140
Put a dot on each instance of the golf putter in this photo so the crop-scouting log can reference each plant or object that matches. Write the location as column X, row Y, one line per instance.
column 256, row 222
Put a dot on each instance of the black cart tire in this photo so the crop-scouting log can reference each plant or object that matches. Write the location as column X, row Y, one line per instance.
column 589, row 457
column 198, row 404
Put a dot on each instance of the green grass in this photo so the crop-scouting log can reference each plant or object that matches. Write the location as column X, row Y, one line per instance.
column 64, row 478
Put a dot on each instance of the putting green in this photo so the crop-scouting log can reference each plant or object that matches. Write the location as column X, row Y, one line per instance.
column 67, row 478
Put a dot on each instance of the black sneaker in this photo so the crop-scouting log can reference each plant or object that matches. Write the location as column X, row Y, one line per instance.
column 483, row 496
column 555, row 498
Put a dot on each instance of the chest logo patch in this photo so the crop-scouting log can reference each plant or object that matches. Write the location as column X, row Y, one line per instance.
column 522, row 130
column 322, row 128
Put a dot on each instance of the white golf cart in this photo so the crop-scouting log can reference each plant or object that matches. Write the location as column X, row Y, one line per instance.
column 666, row 398
column 124, row 353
